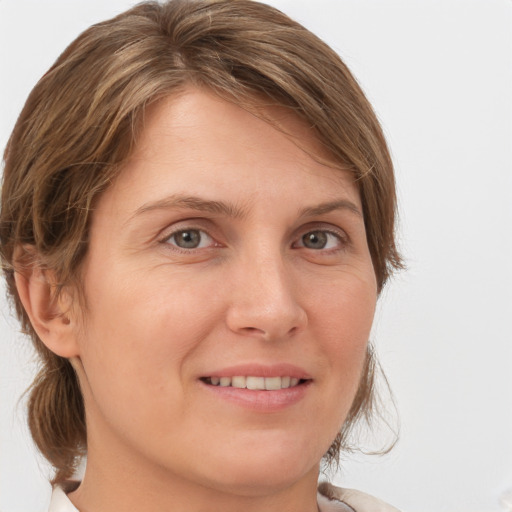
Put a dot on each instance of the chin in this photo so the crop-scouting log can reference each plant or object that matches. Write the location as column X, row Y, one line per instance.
column 262, row 481
column 259, row 471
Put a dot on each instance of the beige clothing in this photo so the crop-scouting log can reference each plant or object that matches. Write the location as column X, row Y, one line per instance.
column 330, row 499
column 333, row 499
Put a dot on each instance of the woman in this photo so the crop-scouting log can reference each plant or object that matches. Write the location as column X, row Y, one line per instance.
column 197, row 219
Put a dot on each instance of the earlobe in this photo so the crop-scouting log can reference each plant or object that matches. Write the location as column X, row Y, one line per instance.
column 49, row 312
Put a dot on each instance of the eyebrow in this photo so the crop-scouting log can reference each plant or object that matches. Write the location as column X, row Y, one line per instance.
column 321, row 209
column 192, row 203
column 230, row 210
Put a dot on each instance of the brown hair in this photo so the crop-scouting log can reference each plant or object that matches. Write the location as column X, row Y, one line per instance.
column 81, row 121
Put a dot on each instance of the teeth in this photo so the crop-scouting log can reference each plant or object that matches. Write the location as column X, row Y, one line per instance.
column 238, row 382
column 225, row 381
column 255, row 383
column 272, row 383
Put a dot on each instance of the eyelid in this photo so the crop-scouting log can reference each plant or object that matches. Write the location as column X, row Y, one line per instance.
column 197, row 224
column 329, row 229
column 186, row 225
column 202, row 231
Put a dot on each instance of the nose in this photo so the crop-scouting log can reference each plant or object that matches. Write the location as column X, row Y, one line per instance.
column 264, row 300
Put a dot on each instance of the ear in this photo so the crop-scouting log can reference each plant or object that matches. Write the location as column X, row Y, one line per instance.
column 48, row 311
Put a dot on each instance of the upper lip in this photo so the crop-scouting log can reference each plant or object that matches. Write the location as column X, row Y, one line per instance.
column 261, row 370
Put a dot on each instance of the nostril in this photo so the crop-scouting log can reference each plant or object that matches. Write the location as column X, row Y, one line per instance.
column 254, row 330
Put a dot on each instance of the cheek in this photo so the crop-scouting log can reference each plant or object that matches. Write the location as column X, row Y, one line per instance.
column 341, row 321
column 344, row 309
column 137, row 304
column 137, row 335
column 144, row 324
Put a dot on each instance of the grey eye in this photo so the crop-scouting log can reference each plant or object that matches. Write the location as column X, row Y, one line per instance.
column 315, row 239
column 321, row 239
column 188, row 238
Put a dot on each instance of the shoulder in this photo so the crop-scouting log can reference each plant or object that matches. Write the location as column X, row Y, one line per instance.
column 356, row 500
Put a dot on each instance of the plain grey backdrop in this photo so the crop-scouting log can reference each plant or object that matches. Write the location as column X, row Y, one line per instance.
column 439, row 74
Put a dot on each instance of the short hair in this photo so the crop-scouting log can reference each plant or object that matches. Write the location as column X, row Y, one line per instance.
column 81, row 122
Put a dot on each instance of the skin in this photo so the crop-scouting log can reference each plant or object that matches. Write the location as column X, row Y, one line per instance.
column 256, row 290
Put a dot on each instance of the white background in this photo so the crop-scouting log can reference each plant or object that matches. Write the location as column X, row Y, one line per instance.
column 439, row 73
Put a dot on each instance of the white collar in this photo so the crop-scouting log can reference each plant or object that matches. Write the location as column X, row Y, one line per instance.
column 60, row 502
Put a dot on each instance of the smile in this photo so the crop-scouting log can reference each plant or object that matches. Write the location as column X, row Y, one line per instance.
column 255, row 383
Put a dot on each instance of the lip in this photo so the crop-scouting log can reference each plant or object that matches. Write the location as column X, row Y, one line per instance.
column 258, row 400
column 262, row 370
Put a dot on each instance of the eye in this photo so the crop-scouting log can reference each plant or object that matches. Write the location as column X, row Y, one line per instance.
column 320, row 239
column 189, row 239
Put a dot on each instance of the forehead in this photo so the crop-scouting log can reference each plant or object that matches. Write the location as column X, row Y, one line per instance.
column 201, row 108
column 198, row 142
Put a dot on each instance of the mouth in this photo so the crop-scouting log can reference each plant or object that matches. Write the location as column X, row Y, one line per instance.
column 259, row 388
column 255, row 383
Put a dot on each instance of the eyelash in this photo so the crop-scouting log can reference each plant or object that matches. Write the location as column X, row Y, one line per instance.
column 340, row 236
column 170, row 236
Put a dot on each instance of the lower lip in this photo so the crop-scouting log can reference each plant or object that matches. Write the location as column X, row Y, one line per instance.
column 259, row 400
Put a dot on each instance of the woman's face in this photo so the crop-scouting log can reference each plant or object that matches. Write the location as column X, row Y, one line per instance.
column 230, row 297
